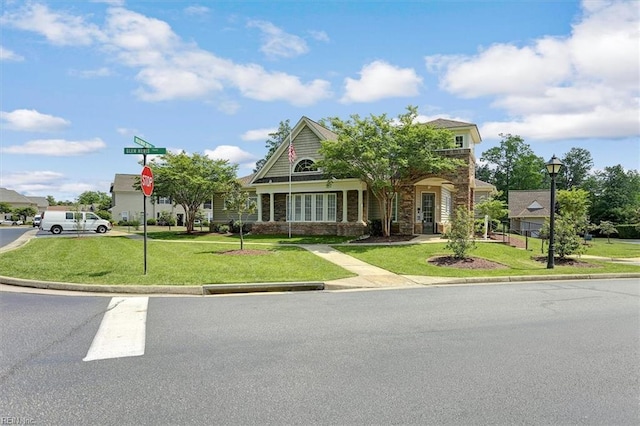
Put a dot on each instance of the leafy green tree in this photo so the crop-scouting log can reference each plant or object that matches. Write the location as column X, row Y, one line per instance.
column 460, row 238
column 384, row 153
column 190, row 180
column 239, row 206
column 513, row 165
column 493, row 207
column 101, row 199
column 577, row 166
column 615, row 195
column 275, row 140
column 574, row 206
column 24, row 212
column 567, row 240
column 5, row 207
column 607, row 228
column 51, row 200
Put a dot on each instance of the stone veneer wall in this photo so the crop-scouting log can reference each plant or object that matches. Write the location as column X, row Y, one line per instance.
column 310, row 228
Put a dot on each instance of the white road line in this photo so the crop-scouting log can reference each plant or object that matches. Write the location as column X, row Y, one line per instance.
column 122, row 332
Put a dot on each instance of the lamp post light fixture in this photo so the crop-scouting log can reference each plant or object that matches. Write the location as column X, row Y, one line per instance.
column 553, row 168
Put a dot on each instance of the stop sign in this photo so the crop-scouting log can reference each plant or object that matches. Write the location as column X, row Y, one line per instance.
column 146, row 181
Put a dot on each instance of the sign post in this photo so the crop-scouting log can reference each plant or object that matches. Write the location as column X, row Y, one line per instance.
column 146, row 180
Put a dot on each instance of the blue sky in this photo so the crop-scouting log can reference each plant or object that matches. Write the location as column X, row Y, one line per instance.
column 80, row 78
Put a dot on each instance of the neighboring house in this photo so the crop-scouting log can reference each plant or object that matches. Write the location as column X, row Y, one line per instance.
column 19, row 201
column 127, row 202
column 528, row 210
column 344, row 208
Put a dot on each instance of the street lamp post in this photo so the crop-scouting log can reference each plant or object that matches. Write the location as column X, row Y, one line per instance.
column 553, row 168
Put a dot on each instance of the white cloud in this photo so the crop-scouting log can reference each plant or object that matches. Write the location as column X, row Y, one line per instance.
column 55, row 147
column 232, row 153
column 9, row 55
column 277, row 43
column 258, row 134
column 124, row 131
column 59, row 28
column 197, row 10
column 584, row 85
column 100, row 72
column 319, row 36
column 30, row 120
column 380, row 80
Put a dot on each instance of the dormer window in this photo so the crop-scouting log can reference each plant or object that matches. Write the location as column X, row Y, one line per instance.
column 305, row 166
column 459, row 141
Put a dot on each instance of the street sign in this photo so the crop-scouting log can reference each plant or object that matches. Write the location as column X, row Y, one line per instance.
column 142, row 142
column 153, row 150
column 146, row 181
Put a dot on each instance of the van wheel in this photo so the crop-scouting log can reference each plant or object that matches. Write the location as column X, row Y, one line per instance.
column 101, row 229
column 56, row 230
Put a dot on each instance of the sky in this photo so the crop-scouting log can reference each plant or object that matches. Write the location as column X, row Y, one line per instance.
column 80, row 79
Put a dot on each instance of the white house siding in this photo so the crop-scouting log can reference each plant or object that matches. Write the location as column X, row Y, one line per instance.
column 446, row 204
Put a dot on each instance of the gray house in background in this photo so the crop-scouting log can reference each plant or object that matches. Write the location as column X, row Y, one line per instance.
column 528, row 210
column 18, row 201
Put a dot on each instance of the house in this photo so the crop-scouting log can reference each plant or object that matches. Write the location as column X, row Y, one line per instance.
column 344, row 208
column 19, row 201
column 528, row 210
column 127, row 202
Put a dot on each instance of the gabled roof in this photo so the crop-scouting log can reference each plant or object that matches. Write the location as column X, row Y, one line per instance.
column 529, row 203
column 12, row 197
column 322, row 132
column 443, row 123
column 481, row 185
column 124, row 183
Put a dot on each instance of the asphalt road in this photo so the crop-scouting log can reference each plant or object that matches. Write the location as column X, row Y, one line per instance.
column 8, row 234
column 534, row 353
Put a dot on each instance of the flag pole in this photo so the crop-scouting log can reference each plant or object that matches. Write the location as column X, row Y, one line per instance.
column 291, row 154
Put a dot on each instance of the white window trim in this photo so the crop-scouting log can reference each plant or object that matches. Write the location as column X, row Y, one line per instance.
column 329, row 209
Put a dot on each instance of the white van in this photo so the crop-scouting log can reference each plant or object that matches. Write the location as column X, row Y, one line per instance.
column 58, row 221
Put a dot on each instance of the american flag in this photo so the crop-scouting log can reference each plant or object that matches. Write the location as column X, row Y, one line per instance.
column 292, row 152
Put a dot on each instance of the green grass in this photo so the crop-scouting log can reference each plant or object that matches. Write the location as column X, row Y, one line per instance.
column 119, row 260
column 179, row 233
column 412, row 260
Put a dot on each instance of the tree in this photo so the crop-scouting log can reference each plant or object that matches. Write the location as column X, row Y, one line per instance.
column 574, row 206
column 513, row 165
column 493, row 207
column 460, row 238
column 239, row 206
column 272, row 144
column 51, row 200
column 607, row 228
column 615, row 195
column 384, row 153
column 577, row 165
column 24, row 212
column 190, row 180
column 5, row 207
column 566, row 238
column 101, row 199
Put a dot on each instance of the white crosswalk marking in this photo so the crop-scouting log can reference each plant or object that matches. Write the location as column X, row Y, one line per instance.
column 122, row 332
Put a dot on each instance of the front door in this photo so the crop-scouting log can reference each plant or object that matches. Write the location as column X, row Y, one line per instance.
column 428, row 212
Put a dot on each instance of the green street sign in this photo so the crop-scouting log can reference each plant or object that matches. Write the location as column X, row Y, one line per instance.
column 143, row 151
column 142, row 142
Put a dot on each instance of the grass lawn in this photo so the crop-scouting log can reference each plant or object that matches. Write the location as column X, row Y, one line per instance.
column 119, row 260
column 412, row 260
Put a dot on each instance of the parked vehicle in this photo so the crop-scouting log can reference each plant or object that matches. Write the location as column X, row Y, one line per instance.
column 36, row 220
column 10, row 222
column 58, row 221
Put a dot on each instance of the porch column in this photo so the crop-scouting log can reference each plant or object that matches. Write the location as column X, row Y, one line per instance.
column 360, row 206
column 259, row 208
column 271, row 203
column 344, row 205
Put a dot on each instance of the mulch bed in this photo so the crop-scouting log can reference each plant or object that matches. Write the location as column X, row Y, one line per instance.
column 565, row 262
column 468, row 263
column 382, row 240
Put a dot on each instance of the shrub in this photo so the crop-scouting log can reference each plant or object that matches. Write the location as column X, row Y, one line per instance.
column 628, row 231
column 566, row 237
column 223, row 229
column 151, row 221
column 461, row 235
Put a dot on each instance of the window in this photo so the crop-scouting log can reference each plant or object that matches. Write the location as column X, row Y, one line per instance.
column 207, row 204
column 164, row 200
column 305, row 166
column 459, row 141
column 394, row 208
column 313, row 207
column 68, row 215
